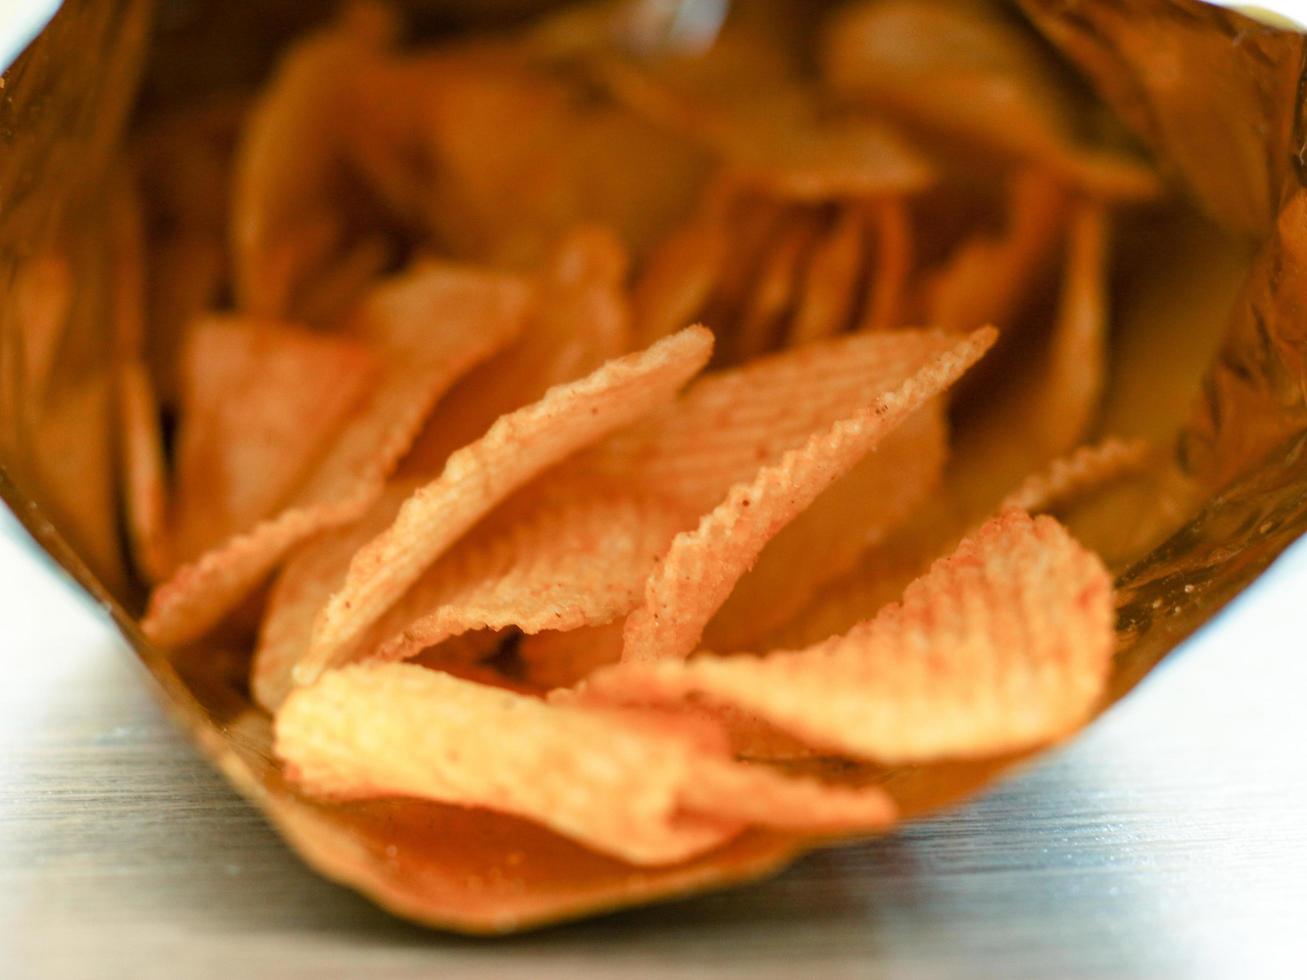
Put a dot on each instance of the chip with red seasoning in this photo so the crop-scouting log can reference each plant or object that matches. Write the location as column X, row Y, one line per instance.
column 642, row 788
column 427, row 327
column 1003, row 645
column 703, row 565
column 406, row 364
column 517, row 448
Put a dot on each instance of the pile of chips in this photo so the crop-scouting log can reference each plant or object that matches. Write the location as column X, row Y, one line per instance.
column 610, row 429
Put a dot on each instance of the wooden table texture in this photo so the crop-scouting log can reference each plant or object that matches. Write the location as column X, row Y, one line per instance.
column 1170, row 839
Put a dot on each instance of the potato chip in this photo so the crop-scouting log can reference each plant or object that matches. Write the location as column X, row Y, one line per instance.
column 1072, row 386
column 702, row 566
column 677, row 279
column 582, row 316
column 887, row 281
column 262, row 401
column 516, row 155
column 884, row 571
column 400, row 730
column 1051, row 399
column 770, row 135
column 879, row 578
column 517, row 448
column 692, row 92
column 490, row 130
column 753, row 223
column 1082, row 469
column 1004, row 645
column 288, row 172
column 327, row 298
column 578, row 319
column 830, row 281
column 558, row 564
column 775, row 289
column 730, row 424
column 475, row 871
column 584, row 258
column 313, row 572
column 143, row 472
column 967, row 71
column 429, row 326
column 987, row 277
column 787, row 151
column 645, row 792
column 556, row 659
column 856, row 512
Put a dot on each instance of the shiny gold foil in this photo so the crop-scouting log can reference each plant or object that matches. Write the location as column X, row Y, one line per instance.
column 1209, row 358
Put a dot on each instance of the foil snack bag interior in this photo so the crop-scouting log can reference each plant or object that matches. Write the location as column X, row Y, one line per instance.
column 1209, row 358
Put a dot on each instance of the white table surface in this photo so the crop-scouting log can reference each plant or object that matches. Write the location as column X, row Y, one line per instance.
column 1169, row 840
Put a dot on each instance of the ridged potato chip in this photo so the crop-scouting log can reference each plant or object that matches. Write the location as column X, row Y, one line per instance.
column 1004, row 645
column 703, row 565
column 1051, row 397
column 727, row 403
column 562, row 564
column 303, row 586
column 731, row 423
column 517, row 448
column 1080, row 470
column 640, row 790
column 261, row 403
column 885, row 570
column 428, row 328
column 577, row 317
column 856, row 512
